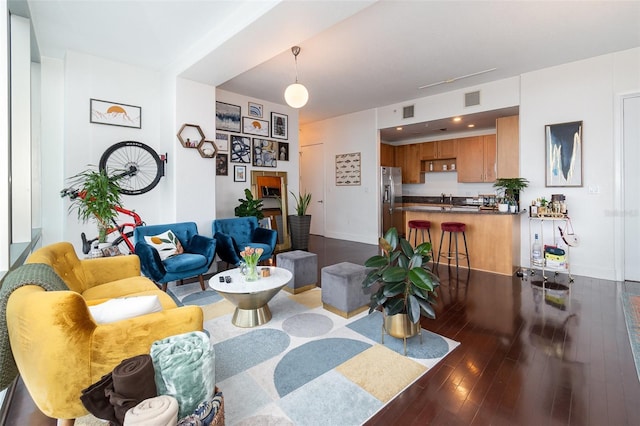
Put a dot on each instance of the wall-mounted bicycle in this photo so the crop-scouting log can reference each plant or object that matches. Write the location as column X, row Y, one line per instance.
column 138, row 170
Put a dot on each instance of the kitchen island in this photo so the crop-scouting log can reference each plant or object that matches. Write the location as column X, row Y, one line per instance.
column 493, row 238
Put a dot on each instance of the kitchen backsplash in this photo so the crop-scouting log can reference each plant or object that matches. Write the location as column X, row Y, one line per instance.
column 437, row 183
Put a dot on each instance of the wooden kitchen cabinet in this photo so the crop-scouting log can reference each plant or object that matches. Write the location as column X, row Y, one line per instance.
column 387, row 155
column 476, row 160
column 408, row 157
column 508, row 147
column 438, row 150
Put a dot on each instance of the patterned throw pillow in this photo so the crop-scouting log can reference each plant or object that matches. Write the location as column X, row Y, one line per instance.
column 167, row 244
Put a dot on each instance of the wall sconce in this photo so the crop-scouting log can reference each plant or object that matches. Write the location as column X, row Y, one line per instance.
column 296, row 94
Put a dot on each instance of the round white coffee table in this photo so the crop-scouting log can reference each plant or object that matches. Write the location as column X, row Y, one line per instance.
column 250, row 298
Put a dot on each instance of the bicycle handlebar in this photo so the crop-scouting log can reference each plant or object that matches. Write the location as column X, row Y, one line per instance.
column 69, row 192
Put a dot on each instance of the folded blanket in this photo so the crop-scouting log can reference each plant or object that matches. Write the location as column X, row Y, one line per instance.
column 159, row 411
column 206, row 412
column 185, row 369
column 96, row 401
column 38, row 274
column 133, row 382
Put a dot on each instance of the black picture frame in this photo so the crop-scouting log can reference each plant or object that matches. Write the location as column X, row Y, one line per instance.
column 265, row 153
column 279, row 126
column 228, row 117
column 283, row 151
column 222, row 164
column 240, row 149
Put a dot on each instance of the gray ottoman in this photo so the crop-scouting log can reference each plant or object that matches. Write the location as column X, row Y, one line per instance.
column 342, row 291
column 304, row 267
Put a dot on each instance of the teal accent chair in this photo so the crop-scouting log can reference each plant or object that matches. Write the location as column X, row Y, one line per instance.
column 234, row 234
column 199, row 252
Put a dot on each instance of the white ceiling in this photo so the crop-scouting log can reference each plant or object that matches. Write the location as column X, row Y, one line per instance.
column 379, row 55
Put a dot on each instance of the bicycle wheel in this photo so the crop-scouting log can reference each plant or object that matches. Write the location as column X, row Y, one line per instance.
column 137, row 166
column 122, row 245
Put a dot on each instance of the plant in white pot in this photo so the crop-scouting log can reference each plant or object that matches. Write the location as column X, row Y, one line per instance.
column 300, row 223
column 98, row 197
column 509, row 189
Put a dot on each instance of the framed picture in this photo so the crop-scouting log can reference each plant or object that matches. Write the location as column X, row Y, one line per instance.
column 115, row 114
column 227, row 117
column 222, row 142
column 348, row 169
column 253, row 126
column 563, row 154
column 265, row 153
column 255, row 110
column 222, row 164
column 239, row 173
column 240, row 149
column 283, row 151
column 279, row 126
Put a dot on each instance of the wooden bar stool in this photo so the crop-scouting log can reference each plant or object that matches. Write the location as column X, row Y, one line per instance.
column 453, row 228
column 422, row 225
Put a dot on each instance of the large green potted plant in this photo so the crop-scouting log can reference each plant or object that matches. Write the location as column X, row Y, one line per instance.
column 406, row 284
column 249, row 206
column 300, row 223
column 510, row 190
column 99, row 195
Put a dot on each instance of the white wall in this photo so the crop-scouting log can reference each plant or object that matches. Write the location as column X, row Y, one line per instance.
column 580, row 91
column 227, row 191
column 194, row 176
column 52, row 150
column 87, row 77
column 351, row 212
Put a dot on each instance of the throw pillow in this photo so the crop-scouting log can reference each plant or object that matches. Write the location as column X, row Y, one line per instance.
column 124, row 308
column 167, row 244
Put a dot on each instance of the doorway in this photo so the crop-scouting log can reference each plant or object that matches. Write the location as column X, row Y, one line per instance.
column 631, row 185
column 312, row 181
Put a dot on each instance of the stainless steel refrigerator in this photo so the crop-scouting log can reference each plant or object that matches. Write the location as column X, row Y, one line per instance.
column 391, row 199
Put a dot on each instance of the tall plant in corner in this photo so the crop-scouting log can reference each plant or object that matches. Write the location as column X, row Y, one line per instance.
column 97, row 199
column 300, row 223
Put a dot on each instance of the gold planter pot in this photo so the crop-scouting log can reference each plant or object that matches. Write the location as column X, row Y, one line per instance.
column 400, row 327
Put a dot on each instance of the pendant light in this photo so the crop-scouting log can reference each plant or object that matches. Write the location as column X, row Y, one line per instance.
column 296, row 94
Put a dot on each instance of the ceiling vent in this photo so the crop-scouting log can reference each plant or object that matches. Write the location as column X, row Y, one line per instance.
column 472, row 99
column 407, row 112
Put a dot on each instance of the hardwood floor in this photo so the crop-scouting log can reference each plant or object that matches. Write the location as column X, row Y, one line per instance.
column 524, row 359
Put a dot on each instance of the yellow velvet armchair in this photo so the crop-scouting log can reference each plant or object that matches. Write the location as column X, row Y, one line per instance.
column 59, row 348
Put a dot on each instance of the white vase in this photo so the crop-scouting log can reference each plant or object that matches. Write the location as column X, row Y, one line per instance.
column 503, row 208
column 512, row 209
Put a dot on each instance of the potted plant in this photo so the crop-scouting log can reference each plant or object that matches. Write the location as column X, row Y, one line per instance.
column 249, row 207
column 406, row 284
column 98, row 197
column 510, row 190
column 300, row 223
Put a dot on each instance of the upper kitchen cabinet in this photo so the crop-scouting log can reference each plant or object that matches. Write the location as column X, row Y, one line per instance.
column 387, row 155
column 476, row 159
column 508, row 136
column 438, row 150
column 408, row 157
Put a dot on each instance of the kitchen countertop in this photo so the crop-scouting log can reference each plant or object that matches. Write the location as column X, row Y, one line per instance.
column 448, row 208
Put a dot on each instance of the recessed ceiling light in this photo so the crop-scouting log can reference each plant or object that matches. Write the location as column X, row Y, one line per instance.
column 471, row 125
column 399, row 128
column 456, row 119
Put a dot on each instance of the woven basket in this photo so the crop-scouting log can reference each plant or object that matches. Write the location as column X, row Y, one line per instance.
column 218, row 420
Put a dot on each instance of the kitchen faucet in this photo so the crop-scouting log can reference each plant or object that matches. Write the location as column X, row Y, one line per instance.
column 442, row 197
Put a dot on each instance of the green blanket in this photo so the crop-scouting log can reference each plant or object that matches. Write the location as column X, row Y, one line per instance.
column 38, row 274
column 185, row 369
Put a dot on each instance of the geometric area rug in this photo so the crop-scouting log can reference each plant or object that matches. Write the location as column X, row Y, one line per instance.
column 308, row 366
column 631, row 307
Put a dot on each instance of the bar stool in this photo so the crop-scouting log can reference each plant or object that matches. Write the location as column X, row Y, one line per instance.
column 422, row 225
column 453, row 228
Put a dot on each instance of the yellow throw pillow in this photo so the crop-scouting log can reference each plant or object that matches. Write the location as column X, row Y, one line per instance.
column 167, row 244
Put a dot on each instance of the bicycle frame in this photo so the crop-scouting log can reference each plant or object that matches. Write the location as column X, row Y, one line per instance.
column 120, row 228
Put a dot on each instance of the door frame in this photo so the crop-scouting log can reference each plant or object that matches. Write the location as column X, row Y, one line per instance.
column 322, row 224
column 618, row 185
